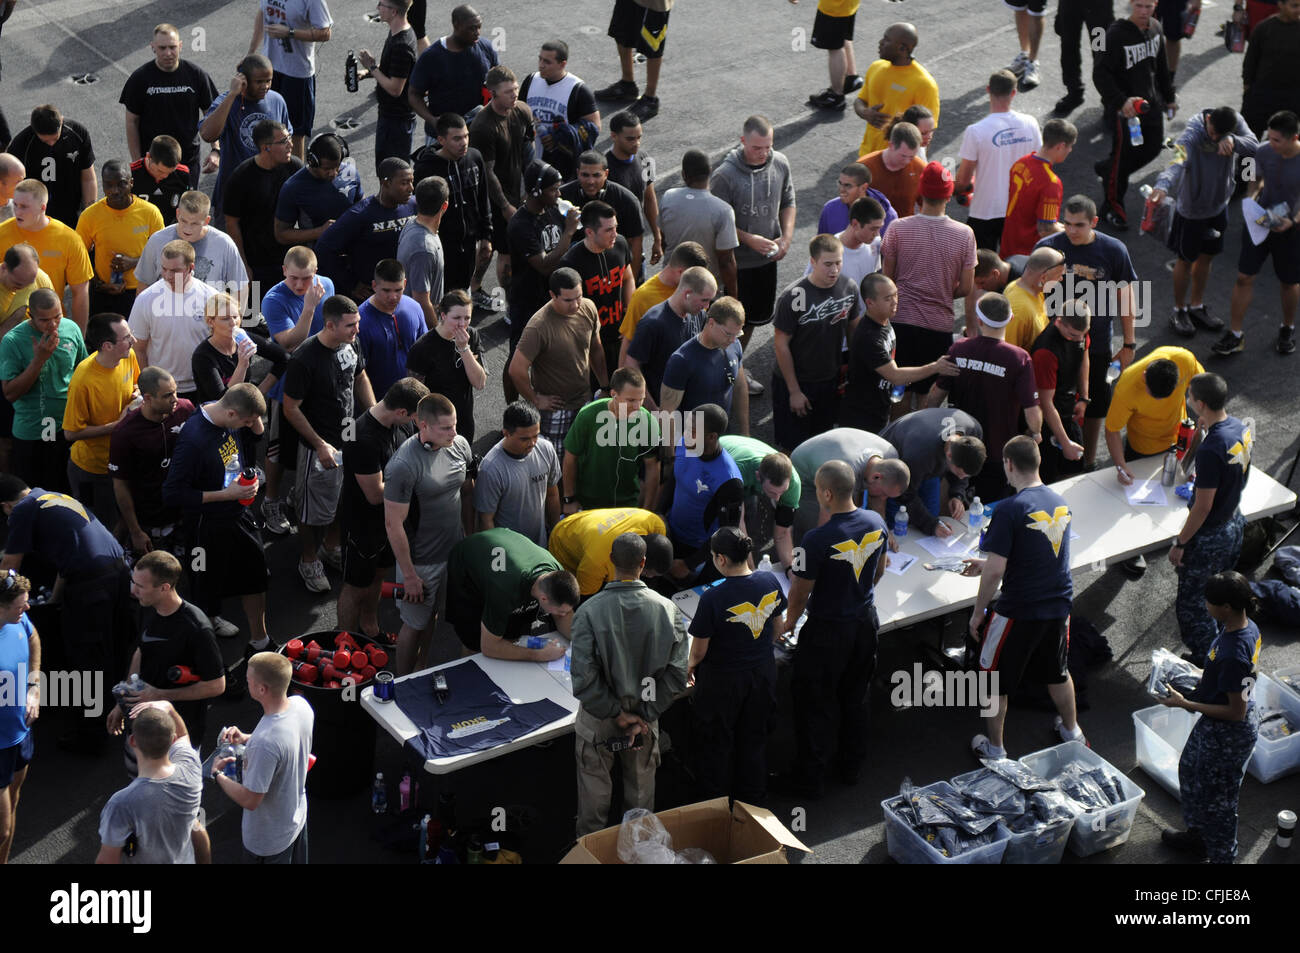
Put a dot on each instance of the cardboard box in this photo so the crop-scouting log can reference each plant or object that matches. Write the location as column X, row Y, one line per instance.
column 742, row 835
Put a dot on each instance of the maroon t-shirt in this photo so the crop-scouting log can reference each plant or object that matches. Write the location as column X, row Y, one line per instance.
column 995, row 383
column 139, row 452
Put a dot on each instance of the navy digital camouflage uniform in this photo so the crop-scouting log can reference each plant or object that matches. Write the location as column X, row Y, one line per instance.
column 1223, row 465
column 1213, row 763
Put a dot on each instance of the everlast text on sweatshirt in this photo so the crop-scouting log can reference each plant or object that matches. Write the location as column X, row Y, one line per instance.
column 1133, row 63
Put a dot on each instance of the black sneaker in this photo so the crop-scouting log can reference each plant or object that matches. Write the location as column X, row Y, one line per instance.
column 1067, row 104
column 1135, row 567
column 1181, row 323
column 827, row 99
column 1203, row 318
column 1190, row 842
column 1285, row 340
column 645, row 108
column 1229, row 344
column 624, row 91
column 853, row 84
column 1116, row 221
column 224, row 629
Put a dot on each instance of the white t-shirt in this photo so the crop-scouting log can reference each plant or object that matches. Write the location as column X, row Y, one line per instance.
column 173, row 325
column 858, row 262
column 996, row 142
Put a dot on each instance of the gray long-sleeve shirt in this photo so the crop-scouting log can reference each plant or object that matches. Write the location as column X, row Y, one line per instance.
column 629, row 652
column 1199, row 178
column 921, row 439
column 758, row 194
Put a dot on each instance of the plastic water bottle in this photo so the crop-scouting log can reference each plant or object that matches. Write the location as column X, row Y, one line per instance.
column 897, row 392
column 404, row 790
column 233, row 471
column 975, row 516
column 900, row 521
column 765, row 564
column 1113, row 372
column 1135, row 131
column 379, row 796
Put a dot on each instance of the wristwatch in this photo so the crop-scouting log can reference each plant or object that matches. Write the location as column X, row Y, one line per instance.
column 569, row 499
column 1129, row 345
column 291, row 33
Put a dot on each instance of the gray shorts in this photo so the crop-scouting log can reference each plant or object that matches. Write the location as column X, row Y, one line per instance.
column 419, row 615
column 317, row 491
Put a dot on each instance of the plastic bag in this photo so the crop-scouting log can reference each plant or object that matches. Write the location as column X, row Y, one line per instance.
column 952, row 842
column 956, row 812
column 1168, row 669
column 1045, row 810
column 990, row 793
column 1091, row 788
column 643, row 839
column 1018, row 774
column 694, row 855
column 1275, row 724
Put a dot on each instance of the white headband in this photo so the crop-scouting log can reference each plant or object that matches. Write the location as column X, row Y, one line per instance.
column 989, row 321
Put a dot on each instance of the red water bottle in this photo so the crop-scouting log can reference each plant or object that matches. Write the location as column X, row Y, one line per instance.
column 1185, row 431
column 248, row 478
column 392, row 590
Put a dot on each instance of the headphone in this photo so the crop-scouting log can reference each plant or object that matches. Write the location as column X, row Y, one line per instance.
column 313, row 160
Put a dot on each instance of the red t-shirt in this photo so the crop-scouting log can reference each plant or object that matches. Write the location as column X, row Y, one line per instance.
column 1035, row 196
column 995, row 383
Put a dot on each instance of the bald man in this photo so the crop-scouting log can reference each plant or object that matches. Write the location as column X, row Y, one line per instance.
column 893, row 82
column 12, row 172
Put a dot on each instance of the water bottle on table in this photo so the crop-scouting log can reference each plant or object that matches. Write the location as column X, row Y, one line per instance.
column 975, row 516
column 901, row 521
column 379, row 795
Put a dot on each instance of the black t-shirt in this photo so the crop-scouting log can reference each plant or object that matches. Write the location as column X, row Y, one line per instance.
column 396, row 62
column 603, row 274
column 183, row 638
column 529, row 235
column 435, row 360
column 58, row 166
column 468, row 215
column 372, row 446
column 632, row 173
column 171, row 104
column 627, row 209
column 867, row 395
column 250, row 195
column 506, row 142
column 213, row 369
column 139, row 452
column 322, row 378
column 817, row 320
column 165, row 195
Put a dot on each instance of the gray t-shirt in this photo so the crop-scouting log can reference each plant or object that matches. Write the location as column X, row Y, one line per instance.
column 515, row 490
column 921, row 439
column 300, row 58
column 216, row 259
column 157, row 814
column 854, row 447
column 697, row 215
column 275, row 764
column 430, row 481
column 1281, row 179
column 420, row 252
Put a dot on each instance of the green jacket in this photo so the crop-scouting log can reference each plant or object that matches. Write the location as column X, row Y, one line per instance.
column 629, row 652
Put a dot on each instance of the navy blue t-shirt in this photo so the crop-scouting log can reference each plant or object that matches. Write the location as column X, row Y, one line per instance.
column 452, row 82
column 704, row 375
column 199, row 466
column 308, row 202
column 359, row 239
column 61, row 531
column 1229, row 663
column 1105, row 259
column 841, row 557
column 659, row 333
column 736, row 617
column 1223, row 465
column 703, row 487
column 1032, row 531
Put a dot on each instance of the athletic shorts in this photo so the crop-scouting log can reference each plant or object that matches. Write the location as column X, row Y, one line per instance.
column 317, row 491
column 644, row 30
column 1283, row 246
column 1036, row 8
column 365, row 553
column 916, row 347
column 1170, row 13
column 1098, row 389
column 282, row 439
column 234, row 563
column 829, row 33
column 419, row 615
column 300, row 96
column 1189, row 238
column 1032, row 650
column 16, row 757
column 757, row 293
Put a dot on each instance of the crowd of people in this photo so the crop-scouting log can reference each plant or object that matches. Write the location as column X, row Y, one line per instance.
column 185, row 372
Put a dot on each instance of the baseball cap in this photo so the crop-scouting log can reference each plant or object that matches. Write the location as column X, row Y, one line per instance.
column 936, row 182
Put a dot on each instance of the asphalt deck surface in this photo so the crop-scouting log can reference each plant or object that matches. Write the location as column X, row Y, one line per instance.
column 720, row 67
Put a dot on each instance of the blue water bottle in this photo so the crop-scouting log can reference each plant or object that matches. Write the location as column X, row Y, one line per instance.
column 900, row 521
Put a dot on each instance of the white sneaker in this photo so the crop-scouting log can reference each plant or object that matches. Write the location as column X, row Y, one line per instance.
column 274, row 518
column 1029, row 79
column 1019, row 64
column 313, row 576
column 981, row 747
column 1059, row 726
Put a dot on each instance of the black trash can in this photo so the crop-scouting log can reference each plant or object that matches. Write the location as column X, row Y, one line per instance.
column 344, row 737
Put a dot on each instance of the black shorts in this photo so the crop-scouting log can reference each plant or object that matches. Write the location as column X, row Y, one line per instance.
column 829, row 33
column 300, row 97
column 500, row 239
column 234, row 563
column 1189, row 238
column 988, row 232
column 416, row 15
column 466, row 618
column 1283, row 246
column 1036, row 8
column 16, row 757
column 365, row 553
column 757, row 293
column 644, row 30
column 1034, row 650
column 1170, row 13
column 282, row 445
column 916, row 347
column 1098, row 389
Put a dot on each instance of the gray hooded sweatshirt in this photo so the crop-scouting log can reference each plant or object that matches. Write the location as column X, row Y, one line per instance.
column 758, row 194
column 1199, row 178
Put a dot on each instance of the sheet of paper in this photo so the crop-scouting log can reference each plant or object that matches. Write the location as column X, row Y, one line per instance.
column 954, row 545
column 899, row 563
column 560, row 664
column 1146, row 493
column 1251, row 210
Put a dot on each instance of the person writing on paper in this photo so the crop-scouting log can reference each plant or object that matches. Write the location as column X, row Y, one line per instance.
column 1213, row 762
column 881, row 476
column 735, row 671
column 1024, row 634
column 937, row 444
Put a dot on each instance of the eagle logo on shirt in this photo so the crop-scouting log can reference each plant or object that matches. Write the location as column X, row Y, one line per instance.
column 1239, row 452
column 1052, row 525
column 857, row 553
column 62, row 499
column 754, row 617
column 701, row 486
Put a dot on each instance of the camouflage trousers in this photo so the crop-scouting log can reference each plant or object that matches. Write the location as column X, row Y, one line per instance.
column 1209, row 780
column 1211, row 551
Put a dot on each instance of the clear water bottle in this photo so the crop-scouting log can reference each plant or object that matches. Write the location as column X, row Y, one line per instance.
column 896, row 393
column 1135, row 131
column 900, row 521
column 1113, row 372
column 975, row 516
column 233, row 470
column 379, row 796
column 765, row 564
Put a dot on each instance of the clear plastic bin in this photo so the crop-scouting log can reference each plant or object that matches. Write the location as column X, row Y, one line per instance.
column 1104, row 828
column 1290, row 670
column 908, row 847
column 1047, row 847
column 1161, row 736
column 1275, row 758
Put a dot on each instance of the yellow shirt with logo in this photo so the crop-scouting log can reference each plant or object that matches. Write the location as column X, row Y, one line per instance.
column 63, row 256
column 582, row 542
column 11, row 301
column 111, row 231
column 651, row 293
column 1028, row 315
column 897, row 87
column 96, row 396
column 1151, row 425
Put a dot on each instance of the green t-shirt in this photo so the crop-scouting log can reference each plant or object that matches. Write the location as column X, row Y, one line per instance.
column 48, row 396
column 748, row 454
column 495, row 571
column 609, row 451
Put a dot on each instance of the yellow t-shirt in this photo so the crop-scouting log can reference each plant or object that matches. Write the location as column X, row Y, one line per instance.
column 644, row 298
column 96, row 396
column 111, row 232
column 838, row 8
column 1151, row 425
column 582, row 542
column 63, row 256
column 11, row 301
column 1028, row 315
column 897, row 87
